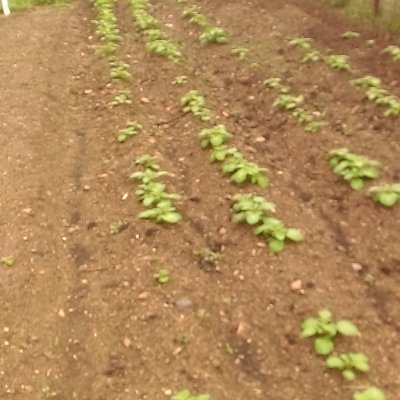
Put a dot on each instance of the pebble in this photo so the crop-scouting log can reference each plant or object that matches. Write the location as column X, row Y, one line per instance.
column 61, row 313
column 357, row 267
column 145, row 100
column 127, row 342
column 143, row 295
column 260, row 139
column 297, row 286
column 184, row 302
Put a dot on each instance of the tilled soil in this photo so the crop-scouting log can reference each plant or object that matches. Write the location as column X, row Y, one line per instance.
column 82, row 317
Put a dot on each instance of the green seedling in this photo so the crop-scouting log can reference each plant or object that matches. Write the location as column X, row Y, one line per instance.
column 107, row 50
column 145, row 21
column 338, row 61
column 186, row 395
column 199, row 19
column 288, row 101
column 301, row 43
column 393, row 51
column 347, row 363
column 119, row 70
column 324, row 328
column 276, row 233
column 303, row 116
column 213, row 35
column 242, row 170
column 314, row 126
column 387, row 195
column 163, row 211
column 240, row 52
column 195, row 103
column 189, row 12
column 154, row 34
column 164, row 48
column 152, row 193
column 148, row 175
column 251, row 209
column 131, row 129
column 220, row 153
column 123, row 97
column 350, row 35
column 311, row 56
column 180, row 80
column 371, row 393
column 214, row 137
column 276, row 83
column 8, row 260
column 118, row 226
column 162, row 276
column 148, row 162
column 353, row 168
column 378, row 95
column 367, row 81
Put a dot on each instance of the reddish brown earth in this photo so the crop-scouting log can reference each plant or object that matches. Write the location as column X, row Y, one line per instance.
column 82, row 317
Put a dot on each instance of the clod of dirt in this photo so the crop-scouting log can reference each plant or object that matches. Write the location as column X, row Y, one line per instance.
column 183, row 303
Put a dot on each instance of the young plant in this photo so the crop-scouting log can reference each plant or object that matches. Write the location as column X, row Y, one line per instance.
column 214, row 137
column 189, row 12
column 180, row 80
column 213, row 35
column 393, row 51
column 8, row 260
column 338, row 61
column 387, row 195
column 220, row 153
column 118, row 226
column 195, row 103
column 288, row 101
column 276, row 83
column 240, row 52
column 123, row 97
column 242, row 170
column 353, row 168
column 131, row 129
column 199, row 19
column 164, row 48
column 371, row 393
column 311, row 56
column 163, row 211
column 148, row 162
column 148, row 175
column 250, row 209
column 186, row 395
column 107, row 50
column 303, row 116
column 300, row 43
column 276, row 233
column 367, row 81
column 162, row 276
column 347, row 363
column 154, row 34
column 119, row 70
column 350, row 35
column 314, row 126
column 324, row 328
column 145, row 21
column 152, row 193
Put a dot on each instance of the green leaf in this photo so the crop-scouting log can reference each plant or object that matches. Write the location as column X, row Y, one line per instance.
column 262, row 181
column 239, row 176
column 309, row 327
column 294, row 234
column 253, row 218
column 148, row 214
column 356, row 183
column 323, row 345
column 172, row 217
column 276, row 246
column 8, row 260
column 388, row 199
column 325, row 315
column 348, row 374
column 335, row 362
column 202, row 397
column 347, row 328
column 371, row 393
column 183, row 395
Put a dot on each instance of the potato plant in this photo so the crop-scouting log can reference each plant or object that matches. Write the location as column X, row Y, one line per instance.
column 214, row 137
column 347, row 363
column 352, row 167
column 240, row 52
column 371, row 393
column 338, row 61
column 195, row 103
column 301, row 43
column 187, row 395
column 119, row 70
column 132, row 128
column 386, row 195
column 311, row 56
column 123, row 97
column 251, row 209
column 213, row 35
column 393, row 51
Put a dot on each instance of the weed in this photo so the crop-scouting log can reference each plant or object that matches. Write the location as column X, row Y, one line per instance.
column 241, row 52
column 131, row 129
column 209, row 259
column 123, row 97
column 186, row 395
column 162, row 276
column 180, row 80
column 371, row 393
column 353, row 168
column 118, row 226
column 350, row 35
column 301, row 43
column 387, row 195
column 393, row 51
column 119, row 70
column 347, row 363
column 250, row 209
column 242, row 170
column 164, row 48
column 213, row 35
column 195, row 103
column 338, row 61
column 325, row 329
column 214, row 137
column 288, row 101
column 8, row 260
column 311, row 56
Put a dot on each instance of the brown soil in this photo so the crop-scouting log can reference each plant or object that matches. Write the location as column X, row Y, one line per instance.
column 82, row 317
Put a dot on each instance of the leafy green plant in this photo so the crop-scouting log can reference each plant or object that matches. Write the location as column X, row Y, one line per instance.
column 119, row 70
column 147, row 161
column 189, row 12
column 107, row 49
column 350, row 35
column 324, row 328
column 241, row 52
column 132, row 128
column 123, row 97
column 276, row 83
column 314, row 126
column 213, row 35
column 242, row 170
column 186, row 395
column 8, row 260
column 220, row 153
column 148, row 175
column 151, row 193
column 162, row 276
column 180, row 80
column 164, row 48
column 367, row 81
column 338, row 61
column 215, row 136
column 311, row 56
column 154, row 34
column 198, row 19
column 250, row 209
column 195, row 103
column 288, row 101
column 387, row 195
column 276, row 233
column 301, row 43
column 163, row 211
column 347, row 363
column 353, row 168
column 371, row 393
column 303, row 116
column 393, row 51
column 145, row 21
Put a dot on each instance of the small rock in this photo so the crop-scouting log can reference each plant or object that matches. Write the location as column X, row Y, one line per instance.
column 222, row 231
column 61, row 313
column 145, row 100
column 143, row 295
column 127, row 342
column 259, row 139
column 357, row 267
column 297, row 286
column 184, row 302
